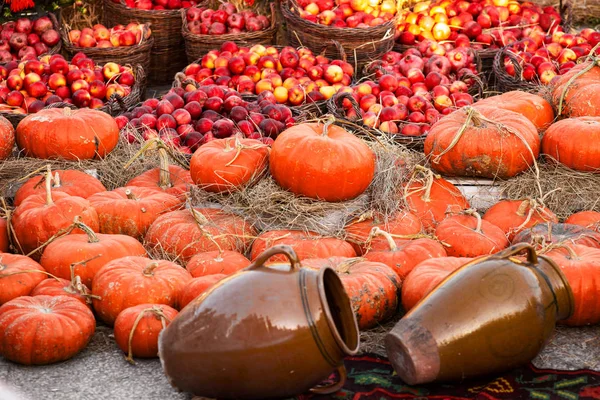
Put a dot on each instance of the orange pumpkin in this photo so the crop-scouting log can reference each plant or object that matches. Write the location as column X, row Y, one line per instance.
column 4, row 240
column 403, row 255
column 305, row 244
column 226, row 165
column 44, row 329
column 542, row 235
column 7, row 138
column 67, row 134
column 64, row 287
column 130, row 281
column 533, row 107
column 426, row 276
column 588, row 219
column 574, row 92
column 373, row 288
column 581, row 266
column 39, row 217
column 196, row 287
column 358, row 231
column 470, row 236
column 512, row 216
column 562, row 143
column 224, row 262
column 430, row 197
column 482, row 142
column 185, row 233
column 131, row 210
column 322, row 161
column 137, row 329
column 18, row 276
column 71, row 181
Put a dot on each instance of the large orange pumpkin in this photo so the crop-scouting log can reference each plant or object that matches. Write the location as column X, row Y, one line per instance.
column 581, row 266
column 18, row 276
column 185, row 233
column 482, row 142
column 131, row 210
column 358, row 231
column 562, row 142
column 67, row 134
column 137, row 329
column 426, row 276
column 574, row 92
column 70, row 181
column 7, row 138
column 403, row 255
column 196, row 287
column 44, row 329
column 533, row 107
column 430, row 197
column 373, row 288
column 588, row 219
column 224, row 262
column 305, row 244
column 130, row 281
column 512, row 216
column 4, row 240
column 470, row 236
column 226, row 165
column 322, row 161
column 41, row 216
column 87, row 253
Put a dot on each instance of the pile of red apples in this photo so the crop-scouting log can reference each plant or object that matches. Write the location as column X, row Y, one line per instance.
column 226, row 20
column 158, row 4
column 31, row 85
column 348, row 13
column 102, row 37
column 293, row 76
column 189, row 117
column 25, row 39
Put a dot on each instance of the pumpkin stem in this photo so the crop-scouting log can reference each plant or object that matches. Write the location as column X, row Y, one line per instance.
column 149, row 270
column 572, row 254
column 130, row 194
column 472, row 212
column 380, row 232
column 427, row 184
column 473, row 116
column 92, row 238
column 330, row 119
column 158, row 312
column 25, row 271
column 56, row 180
column 572, row 80
column 49, row 185
column 344, row 267
column 164, row 175
column 239, row 147
column 523, row 207
column 67, row 111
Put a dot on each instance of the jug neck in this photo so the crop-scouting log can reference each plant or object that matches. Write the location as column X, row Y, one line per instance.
column 558, row 284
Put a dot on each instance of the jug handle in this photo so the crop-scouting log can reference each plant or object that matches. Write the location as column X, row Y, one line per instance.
column 334, row 387
column 518, row 248
column 286, row 250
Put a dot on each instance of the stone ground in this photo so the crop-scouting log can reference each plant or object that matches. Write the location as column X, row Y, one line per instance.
column 100, row 372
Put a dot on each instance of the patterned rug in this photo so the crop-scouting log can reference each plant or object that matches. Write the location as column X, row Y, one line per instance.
column 371, row 377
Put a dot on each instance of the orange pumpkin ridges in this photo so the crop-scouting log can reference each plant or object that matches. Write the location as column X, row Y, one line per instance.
column 581, row 266
column 44, row 329
column 168, row 178
column 512, row 216
column 137, row 329
column 371, row 286
column 484, row 142
column 563, row 140
column 545, row 234
column 533, row 107
column 194, row 288
column 403, row 256
column 229, row 164
column 587, row 219
column 130, row 281
column 62, row 133
column 224, row 262
column 322, row 161
column 574, row 92
column 63, row 287
column 4, row 237
column 70, row 181
column 7, row 138
column 18, row 276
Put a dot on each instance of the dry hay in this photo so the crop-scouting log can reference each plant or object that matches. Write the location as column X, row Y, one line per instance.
column 373, row 340
column 269, row 207
column 563, row 190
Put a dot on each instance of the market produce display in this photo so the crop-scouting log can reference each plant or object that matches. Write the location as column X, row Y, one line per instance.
column 26, row 39
column 226, row 20
column 100, row 36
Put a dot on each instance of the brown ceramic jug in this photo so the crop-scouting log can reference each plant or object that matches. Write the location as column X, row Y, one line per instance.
column 264, row 332
column 491, row 315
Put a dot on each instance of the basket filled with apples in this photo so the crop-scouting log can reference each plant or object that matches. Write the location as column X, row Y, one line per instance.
column 205, row 29
column 27, row 39
column 304, row 83
column 364, row 31
column 539, row 58
column 120, row 44
column 29, row 86
column 164, row 17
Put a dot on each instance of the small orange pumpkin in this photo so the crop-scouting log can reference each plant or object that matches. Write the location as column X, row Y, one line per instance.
column 18, row 276
column 588, row 219
column 562, row 143
column 533, row 107
column 512, row 216
column 196, row 287
column 224, row 262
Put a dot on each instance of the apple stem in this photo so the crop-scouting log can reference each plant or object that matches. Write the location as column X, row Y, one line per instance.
column 49, row 186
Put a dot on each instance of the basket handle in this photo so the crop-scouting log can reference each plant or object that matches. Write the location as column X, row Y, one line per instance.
column 501, row 70
column 336, row 107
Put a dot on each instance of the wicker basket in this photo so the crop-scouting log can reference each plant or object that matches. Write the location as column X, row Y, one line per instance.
column 198, row 45
column 123, row 55
column 506, row 82
column 168, row 54
column 361, row 45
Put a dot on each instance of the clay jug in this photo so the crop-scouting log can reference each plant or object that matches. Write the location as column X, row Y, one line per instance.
column 491, row 315
column 264, row 332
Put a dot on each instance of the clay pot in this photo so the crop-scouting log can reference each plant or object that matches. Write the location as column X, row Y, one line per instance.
column 264, row 332
column 491, row 315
